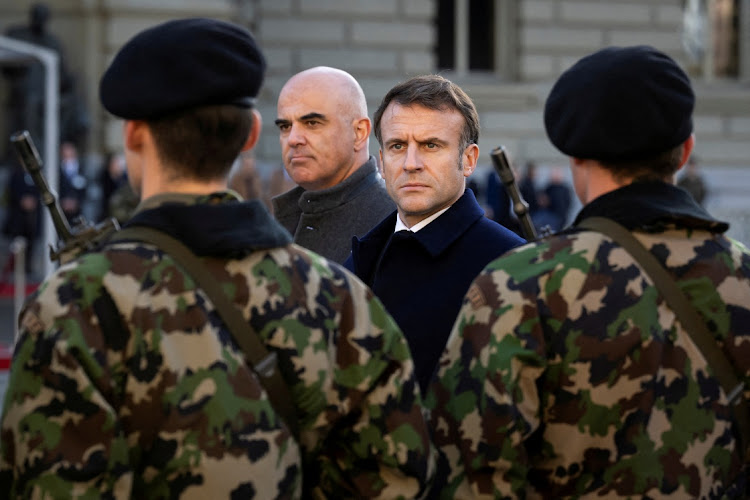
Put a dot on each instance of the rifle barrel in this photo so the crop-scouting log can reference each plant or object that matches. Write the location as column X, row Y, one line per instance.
column 30, row 160
column 520, row 207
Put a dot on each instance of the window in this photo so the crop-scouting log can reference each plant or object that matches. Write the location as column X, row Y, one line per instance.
column 712, row 37
column 469, row 36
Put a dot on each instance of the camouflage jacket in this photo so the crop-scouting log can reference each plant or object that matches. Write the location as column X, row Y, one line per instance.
column 567, row 375
column 159, row 402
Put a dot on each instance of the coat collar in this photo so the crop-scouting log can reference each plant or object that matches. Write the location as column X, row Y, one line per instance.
column 443, row 231
column 435, row 237
column 310, row 202
column 219, row 224
column 651, row 206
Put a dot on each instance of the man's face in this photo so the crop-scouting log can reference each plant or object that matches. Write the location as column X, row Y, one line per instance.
column 316, row 134
column 68, row 151
column 423, row 168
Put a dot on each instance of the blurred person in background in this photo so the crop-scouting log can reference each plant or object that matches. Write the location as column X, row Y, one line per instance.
column 73, row 183
column 693, row 182
column 22, row 216
column 112, row 176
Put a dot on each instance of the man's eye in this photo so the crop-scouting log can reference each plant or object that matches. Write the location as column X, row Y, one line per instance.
column 312, row 123
column 397, row 147
column 431, row 145
column 283, row 126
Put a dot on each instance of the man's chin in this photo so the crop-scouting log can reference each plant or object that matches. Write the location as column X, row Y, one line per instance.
column 414, row 210
column 301, row 162
column 296, row 171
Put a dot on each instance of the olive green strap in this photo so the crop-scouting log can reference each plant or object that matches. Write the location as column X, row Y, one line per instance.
column 686, row 314
column 258, row 357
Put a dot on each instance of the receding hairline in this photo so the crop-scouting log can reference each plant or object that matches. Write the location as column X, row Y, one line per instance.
column 345, row 88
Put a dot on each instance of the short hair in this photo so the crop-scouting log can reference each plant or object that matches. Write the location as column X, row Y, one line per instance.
column 203, row 142
column 658, row 167
column 433, row 92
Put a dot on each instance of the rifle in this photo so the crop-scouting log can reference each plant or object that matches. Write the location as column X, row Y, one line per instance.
column 520, row 207
column 73, row 241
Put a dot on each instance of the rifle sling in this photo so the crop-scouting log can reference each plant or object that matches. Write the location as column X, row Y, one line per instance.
column 691, row 321
column 257, row 356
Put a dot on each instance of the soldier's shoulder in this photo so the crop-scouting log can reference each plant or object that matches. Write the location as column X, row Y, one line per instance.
column 304, row 270
column 562, row 248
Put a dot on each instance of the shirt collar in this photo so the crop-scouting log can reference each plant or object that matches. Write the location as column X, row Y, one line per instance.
column 400, row 226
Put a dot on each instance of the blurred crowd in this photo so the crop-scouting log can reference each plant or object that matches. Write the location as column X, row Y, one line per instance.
column 91, row 193
column 549, row 199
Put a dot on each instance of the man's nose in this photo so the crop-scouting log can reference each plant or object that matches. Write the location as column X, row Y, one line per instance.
column 412, row 160
column 295, row 136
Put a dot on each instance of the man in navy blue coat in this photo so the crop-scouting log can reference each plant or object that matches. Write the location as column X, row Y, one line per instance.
column 421, row 259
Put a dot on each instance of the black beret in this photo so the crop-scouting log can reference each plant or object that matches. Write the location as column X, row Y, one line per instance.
column 182, row 64
column 620, row 103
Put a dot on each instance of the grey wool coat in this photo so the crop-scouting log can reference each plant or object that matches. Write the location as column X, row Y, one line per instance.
column 324, row 221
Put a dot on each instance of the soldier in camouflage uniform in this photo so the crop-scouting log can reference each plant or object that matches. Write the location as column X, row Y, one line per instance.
column 567, row 374
column 126, row 383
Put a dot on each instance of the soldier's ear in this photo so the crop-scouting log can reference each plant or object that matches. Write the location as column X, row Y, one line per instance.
column 252, row 138
column 134, row 134
column 687, row 149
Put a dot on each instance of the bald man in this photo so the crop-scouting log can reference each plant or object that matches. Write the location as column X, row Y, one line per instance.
column 324, row 133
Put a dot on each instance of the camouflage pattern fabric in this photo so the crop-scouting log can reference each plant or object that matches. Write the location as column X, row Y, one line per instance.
column 166, row 407
column 566, row 375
